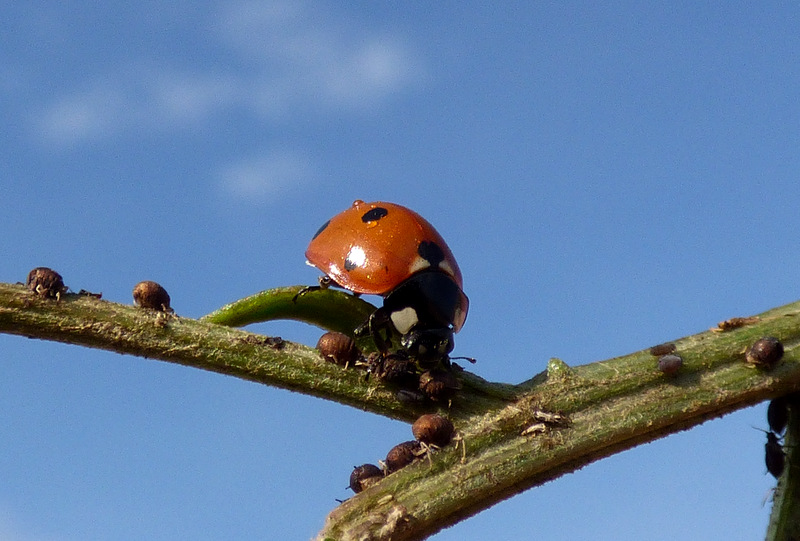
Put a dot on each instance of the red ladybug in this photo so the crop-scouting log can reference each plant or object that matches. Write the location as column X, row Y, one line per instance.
column 385, row 249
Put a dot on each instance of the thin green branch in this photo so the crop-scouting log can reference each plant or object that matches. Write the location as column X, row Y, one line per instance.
column 95, row 323
column 327, row 308
column 609, row 405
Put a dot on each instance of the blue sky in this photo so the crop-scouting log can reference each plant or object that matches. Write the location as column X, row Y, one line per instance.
column 609, row 177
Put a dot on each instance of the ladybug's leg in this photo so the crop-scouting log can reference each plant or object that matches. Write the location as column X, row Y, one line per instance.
column 375, row 328
column 324, row 283
column 378, row 321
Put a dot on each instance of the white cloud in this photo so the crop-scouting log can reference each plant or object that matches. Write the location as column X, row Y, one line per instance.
column 82, row 115
column 192, row 98
column 375, row 69
column 259, row 177
column 314, row 57
column 286, row 59
column 141, row 98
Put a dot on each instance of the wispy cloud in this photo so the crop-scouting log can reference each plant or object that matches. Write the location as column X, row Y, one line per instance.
column 190, row 97
column 141, row 98
column 285, row 59
column 306, row 55
column 272, row 173
column 84, row 114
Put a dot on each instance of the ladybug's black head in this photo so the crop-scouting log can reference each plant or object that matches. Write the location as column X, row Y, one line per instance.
column 426, row 310
column 428, row 346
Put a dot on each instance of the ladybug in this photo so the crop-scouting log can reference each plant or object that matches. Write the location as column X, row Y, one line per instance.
column 386, row 249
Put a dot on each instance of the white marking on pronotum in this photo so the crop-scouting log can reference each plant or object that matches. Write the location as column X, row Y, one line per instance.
column 404, row 320
column 420, row 263
column 445, row 266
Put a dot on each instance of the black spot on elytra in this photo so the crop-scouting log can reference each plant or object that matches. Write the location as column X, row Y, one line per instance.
column 430, row 252
column 373, row 215
column 349, row 265
column 321, row 229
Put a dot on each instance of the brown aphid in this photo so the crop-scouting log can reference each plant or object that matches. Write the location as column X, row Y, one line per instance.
column 438, row 385
column 394, row 368
column 274, row 342
column 433, row 429
column 399, row 371
column 670, row 364
column 84, row 293
column 46, row 283
column 764, row 353
column 151, row 295
column 662, row 349
column 364, row 476
column 403, row 454
column 734, row 323
column 338, row 348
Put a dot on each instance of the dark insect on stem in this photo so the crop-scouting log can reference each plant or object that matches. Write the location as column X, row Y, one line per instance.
column 46, row 283
column 774, row 456
column 662, row 349
column 364, row 476
column 778, row 414
column 152, row 295
column 764, row 353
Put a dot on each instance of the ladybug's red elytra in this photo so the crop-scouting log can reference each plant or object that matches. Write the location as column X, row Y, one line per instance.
column 386, row 249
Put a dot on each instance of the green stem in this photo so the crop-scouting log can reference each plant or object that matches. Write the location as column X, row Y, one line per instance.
column 126, row 329
column 784, row 521
column 327, row 308
column 610, row 405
